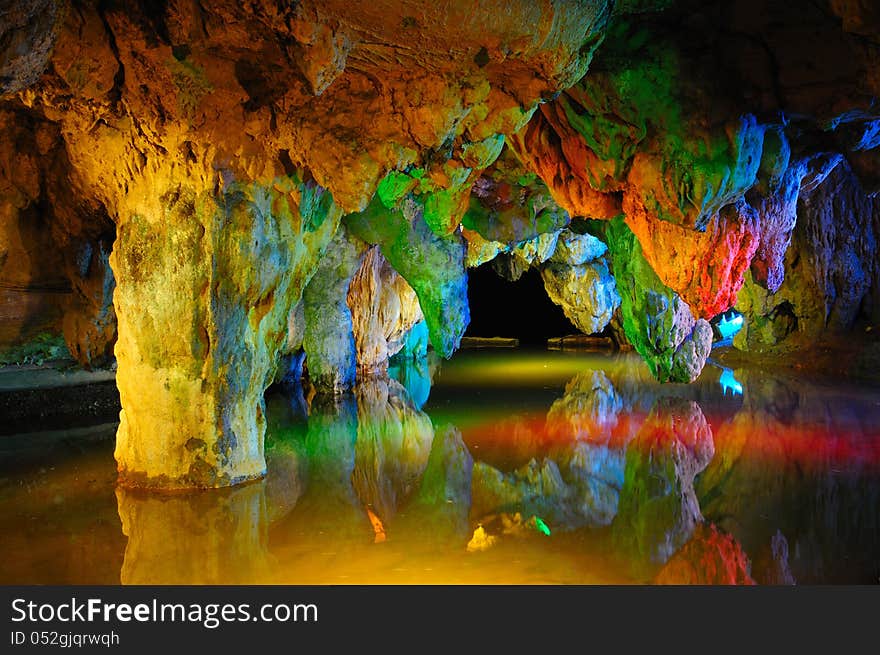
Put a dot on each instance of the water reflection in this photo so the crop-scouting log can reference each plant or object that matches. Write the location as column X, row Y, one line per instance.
column 210, row 537
column 514, row 468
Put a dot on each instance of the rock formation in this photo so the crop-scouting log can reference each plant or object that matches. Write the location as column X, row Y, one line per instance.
column 192, row 163
column 578, row 279
column 832, row 273
column 656, row 320
column 654, row 132
column 224, row 142
column 328, row 340
column 385, row 310
column 392, row 447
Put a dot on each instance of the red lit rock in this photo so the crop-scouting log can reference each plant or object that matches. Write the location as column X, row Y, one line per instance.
column 710, row 557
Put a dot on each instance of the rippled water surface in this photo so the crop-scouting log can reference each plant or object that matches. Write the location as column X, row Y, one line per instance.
column 494, row 467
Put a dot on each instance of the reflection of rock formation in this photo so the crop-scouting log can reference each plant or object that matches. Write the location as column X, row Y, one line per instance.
column 443, row 500
column 562, row 490
column 205, row 537
column 799, row 463
column 392, row 447
column 709, row 557
column 286, row 458
column 415, row 374
column 353, row 452
column 658, row 506
column 590, row 409
column 772, row 565
column 577, row 481
column 329, row 507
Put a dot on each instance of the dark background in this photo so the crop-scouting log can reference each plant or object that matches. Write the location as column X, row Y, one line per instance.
column 521, row 309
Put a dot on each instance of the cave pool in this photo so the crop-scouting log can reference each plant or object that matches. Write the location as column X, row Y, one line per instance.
column 495, row 467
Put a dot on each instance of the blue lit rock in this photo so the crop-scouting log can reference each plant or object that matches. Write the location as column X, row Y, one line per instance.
column 577, row 249
column 415, row 343
column 557, row 489
column 831, row 271
column 327, row 340
column 414, row 371
column 90, row 321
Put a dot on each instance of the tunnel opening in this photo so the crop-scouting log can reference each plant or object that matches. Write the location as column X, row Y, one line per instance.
column 518, row 309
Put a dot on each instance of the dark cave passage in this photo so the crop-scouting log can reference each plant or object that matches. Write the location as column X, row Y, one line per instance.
column 520, row 309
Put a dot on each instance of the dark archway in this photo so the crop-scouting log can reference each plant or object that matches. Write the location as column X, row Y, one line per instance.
column 521, row 309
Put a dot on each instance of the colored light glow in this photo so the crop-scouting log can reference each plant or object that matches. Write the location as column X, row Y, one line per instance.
column 729, row 324
column 542, row 527
column 729, row 382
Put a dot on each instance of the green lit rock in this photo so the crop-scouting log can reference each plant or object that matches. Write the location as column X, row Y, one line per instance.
column 434, row 266
column 285, row 447
column 656, row 321
column 328, row 339
column 329, row 504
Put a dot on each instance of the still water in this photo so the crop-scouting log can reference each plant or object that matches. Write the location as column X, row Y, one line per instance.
column 508, row 467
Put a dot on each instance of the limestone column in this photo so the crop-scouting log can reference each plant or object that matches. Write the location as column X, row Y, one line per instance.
column 205, row 284
column 327, row 339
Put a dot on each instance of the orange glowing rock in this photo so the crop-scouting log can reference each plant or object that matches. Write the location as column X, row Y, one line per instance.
column 378, row 528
